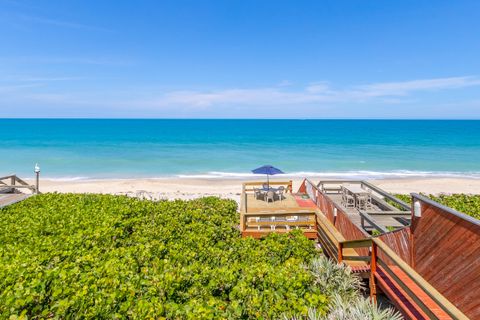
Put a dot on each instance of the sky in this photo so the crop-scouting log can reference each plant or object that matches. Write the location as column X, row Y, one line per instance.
column 240, row 59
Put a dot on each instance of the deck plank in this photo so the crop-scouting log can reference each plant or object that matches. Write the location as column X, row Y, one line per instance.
column 11, row 198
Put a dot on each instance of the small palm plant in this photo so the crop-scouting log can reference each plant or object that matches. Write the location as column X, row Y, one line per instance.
column 347, row 302
column 333, row 278
column 359, row 308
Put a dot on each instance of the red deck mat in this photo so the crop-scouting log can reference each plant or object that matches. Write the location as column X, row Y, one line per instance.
column 304, row 203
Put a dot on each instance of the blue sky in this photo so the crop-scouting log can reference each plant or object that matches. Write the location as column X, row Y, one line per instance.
column 240, row 59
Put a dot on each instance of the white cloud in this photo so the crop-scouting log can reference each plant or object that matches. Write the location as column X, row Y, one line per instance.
column 243, row 101
column 407, row 87
column 314, row 93
column 318, row 87
column 264, row 96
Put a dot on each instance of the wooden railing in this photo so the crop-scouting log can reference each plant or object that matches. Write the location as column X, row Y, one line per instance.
column 334, row 212
column 249, row 186
column 258, row 218
column 377, row 262
column 329, row 186
column 12, row 182
column 445, row 251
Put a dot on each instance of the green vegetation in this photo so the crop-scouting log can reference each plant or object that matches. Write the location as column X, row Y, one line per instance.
column 99, row 256
column 468, row 204
column 347, row 303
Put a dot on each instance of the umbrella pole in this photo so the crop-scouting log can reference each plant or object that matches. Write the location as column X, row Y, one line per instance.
column 268, row 182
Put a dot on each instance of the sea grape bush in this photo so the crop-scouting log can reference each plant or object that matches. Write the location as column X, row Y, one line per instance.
column 465, row 203
column 100, row 256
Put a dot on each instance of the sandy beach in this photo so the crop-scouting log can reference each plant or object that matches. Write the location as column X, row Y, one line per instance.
column 186, row 188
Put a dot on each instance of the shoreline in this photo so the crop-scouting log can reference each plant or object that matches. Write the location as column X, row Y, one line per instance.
column 191, row 188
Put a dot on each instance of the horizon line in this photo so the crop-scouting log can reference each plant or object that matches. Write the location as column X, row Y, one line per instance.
column 277, row 119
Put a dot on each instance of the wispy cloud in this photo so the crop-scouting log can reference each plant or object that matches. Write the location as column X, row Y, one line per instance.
column 21, row 19
column 314, row 93
column 100, row 61
column 60, row 23
column 26, row 78
column 17, row 87
column 309, row 99
column 407, row 87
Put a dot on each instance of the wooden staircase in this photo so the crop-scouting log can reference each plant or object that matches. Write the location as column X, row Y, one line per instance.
column 414, row 297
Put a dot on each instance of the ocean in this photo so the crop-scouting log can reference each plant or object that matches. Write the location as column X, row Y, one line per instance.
column 73, row 149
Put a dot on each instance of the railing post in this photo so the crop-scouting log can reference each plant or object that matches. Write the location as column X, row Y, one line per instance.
column 340, row 252
column 373, row 270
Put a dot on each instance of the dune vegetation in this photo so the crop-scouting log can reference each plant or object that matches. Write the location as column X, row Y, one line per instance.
column 99, row 256
column 465, row 203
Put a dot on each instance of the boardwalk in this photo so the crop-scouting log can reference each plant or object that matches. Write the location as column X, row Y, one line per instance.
column 11, row 190
column 428, row 266
column 11, row 198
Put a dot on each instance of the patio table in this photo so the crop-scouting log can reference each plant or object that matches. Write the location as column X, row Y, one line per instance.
column 356, row 191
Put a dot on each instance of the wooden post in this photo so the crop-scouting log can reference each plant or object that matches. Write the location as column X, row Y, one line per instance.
column 373, row 270
column 243, row 208
column 340, row 252
column 290, row 186
column 37, row 183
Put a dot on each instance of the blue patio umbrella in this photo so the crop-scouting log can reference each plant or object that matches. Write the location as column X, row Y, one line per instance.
column 268, row 170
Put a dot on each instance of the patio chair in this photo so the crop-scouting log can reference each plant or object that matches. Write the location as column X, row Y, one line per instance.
column 269, row 195
column 258, row 193
column 348, row 201
column 265, row 186
column 363, row 202
column 280, row 192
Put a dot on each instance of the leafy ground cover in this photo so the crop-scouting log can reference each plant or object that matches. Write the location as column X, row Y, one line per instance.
column 100, row 256
column 466, row 203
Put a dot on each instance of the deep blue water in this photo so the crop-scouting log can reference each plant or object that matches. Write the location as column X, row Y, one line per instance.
column 155, row 148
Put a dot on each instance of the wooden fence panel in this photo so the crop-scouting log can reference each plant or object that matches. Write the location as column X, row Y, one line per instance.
column 447, row 254
column 399, row 242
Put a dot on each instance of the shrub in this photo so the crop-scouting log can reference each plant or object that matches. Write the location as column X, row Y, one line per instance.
column 101, row 256
column 465, row 203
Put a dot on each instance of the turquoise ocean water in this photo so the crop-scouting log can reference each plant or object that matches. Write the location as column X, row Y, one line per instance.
column 97, row 149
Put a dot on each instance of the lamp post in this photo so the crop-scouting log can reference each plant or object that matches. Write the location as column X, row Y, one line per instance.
column 37, row 176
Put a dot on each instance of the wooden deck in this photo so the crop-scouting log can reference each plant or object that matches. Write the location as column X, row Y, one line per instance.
column 383, row 216
column 11, row 198
column 394, row 218
column 293, row 211
column 427, row 269
column 12, row 190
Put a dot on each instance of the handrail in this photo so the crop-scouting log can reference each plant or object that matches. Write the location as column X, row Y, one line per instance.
column 14, row 179
column 445, row 208
column 8, row 177
column 443, row 302
column 371, row 186
column 387, row 195
column 365, row 216
column 436, row 296
column 289, row 184
column 312, row 184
